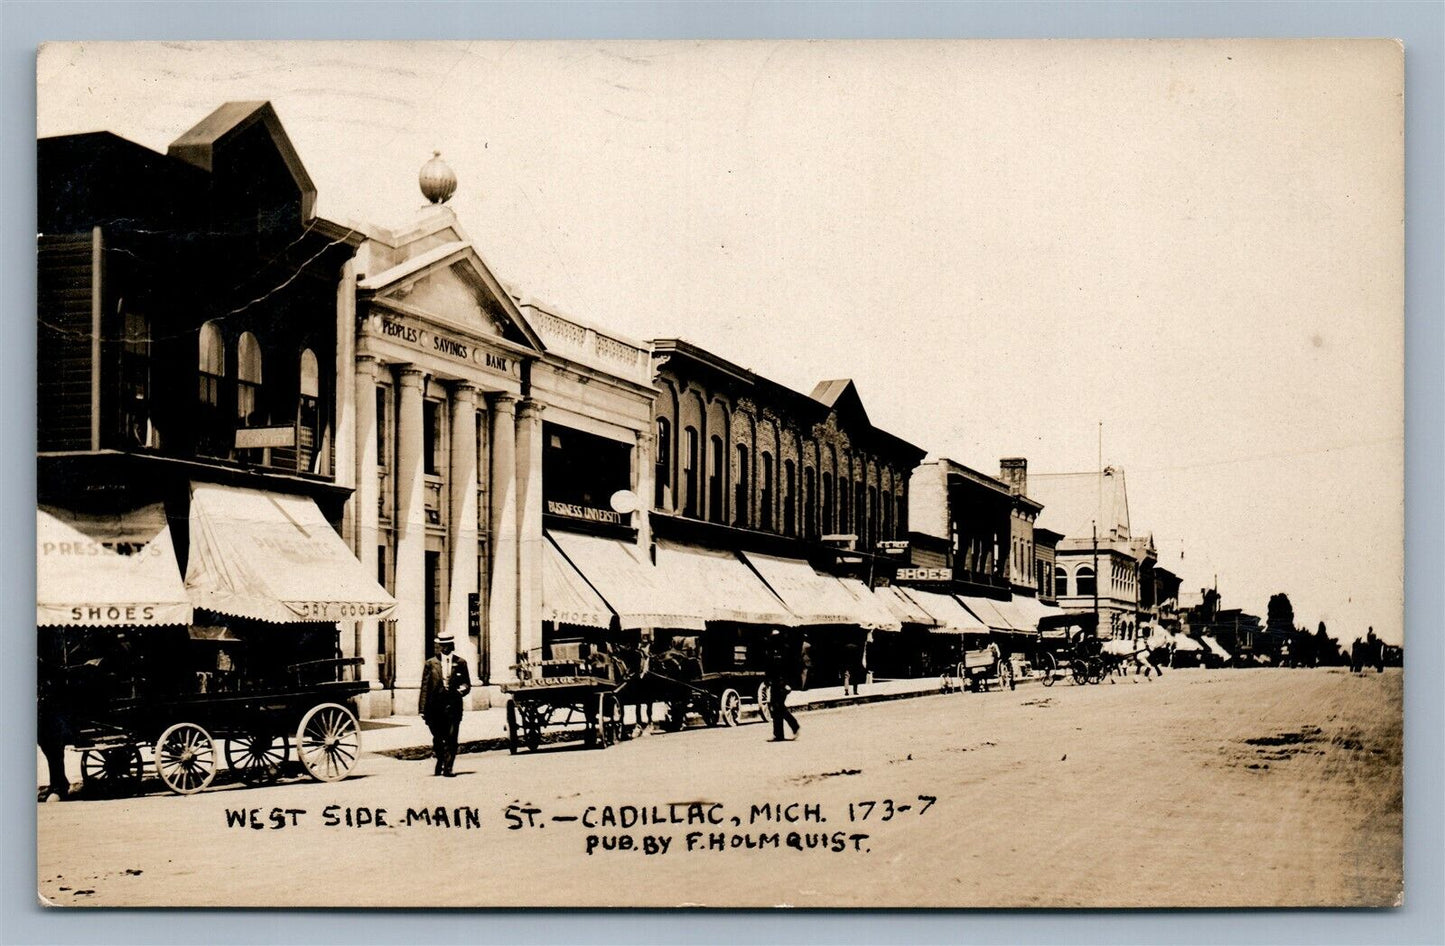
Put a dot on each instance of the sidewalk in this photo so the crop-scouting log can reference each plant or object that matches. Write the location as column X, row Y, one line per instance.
column 406, row 737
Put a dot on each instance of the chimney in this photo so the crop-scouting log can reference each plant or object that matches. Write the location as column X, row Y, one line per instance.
column 1015, row 472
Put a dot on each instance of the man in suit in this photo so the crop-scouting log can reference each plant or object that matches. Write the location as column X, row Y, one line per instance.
column 444, row 681
column 780, row 681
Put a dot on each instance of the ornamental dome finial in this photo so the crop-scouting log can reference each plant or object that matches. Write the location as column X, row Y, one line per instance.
column 437, row 180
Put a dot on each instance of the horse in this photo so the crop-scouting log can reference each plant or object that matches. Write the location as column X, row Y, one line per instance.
column 1121, row 655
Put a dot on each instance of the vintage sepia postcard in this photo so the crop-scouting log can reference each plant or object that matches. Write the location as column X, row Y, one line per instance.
column 722, row 474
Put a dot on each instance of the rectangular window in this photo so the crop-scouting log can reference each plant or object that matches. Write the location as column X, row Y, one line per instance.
column 431, row 433
column 382, row 429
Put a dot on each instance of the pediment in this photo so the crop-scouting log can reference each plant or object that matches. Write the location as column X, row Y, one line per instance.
column 451, row 284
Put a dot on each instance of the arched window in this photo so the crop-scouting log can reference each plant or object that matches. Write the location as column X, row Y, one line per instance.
column 742, row 489
column 690, row 460
column 308, row 414
column 1061, row 581
column 860, row 511
column 827, row 523
column 1084, row 579
column 765, row 491
column 810, row 503
column 844, row 503
column 662, row 466
column 212, row 364
column 716, row 511
column 872, row 516
column 886, row 502
column 790, row 498
column 248, row 381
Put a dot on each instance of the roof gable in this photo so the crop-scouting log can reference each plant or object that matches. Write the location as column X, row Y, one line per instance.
column 1075, row 502
column 200, row 145
column 451, row 283
column 842, row 396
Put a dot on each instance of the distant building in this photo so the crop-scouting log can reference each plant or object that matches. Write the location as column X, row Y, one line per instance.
column 1099, row 562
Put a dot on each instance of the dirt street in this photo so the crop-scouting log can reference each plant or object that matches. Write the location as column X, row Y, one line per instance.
column 1203, row 788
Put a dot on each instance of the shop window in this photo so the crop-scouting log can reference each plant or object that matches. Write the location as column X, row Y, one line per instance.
column 1084, row 579
column 765, row 491
column 662, row 469
column 715, row 480
column 308, row 413
column 431, row 434
column 742, row 489
column 135, row 382
column 689, row 472
column 790, row 473
column 248, row 381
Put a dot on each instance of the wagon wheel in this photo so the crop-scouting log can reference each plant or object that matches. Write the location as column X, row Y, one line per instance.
column 328, row 742
column 1079, row 669
column 1094, row 671
column 1046, row 665
column 112, row 770
column 1006, row 674
column 186, row 758
column 258, row 756
column 765, row 701
column 607, row 724
column 531, row 722
column 512, row 727
column 730, row 707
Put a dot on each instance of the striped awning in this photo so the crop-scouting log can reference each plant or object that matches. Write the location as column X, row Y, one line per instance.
column 727, row 588
column 107, row 570
column 987, row 611
column 904, row 608
column 873, row 614
column 814, row 598
column 949, row 616
column 632, row 586
column 567, row 598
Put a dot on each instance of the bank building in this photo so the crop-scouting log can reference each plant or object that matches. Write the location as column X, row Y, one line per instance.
column 484, row 433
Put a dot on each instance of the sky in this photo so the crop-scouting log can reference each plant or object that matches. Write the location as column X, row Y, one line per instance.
column 1197, row 245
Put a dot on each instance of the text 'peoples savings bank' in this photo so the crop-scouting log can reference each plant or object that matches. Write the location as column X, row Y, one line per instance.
column 422, row 339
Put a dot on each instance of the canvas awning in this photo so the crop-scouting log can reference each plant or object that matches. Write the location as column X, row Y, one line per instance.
column 872, row 613
column 1216, row 648
column 949, row 616
column 904, row 608
column 567, row 598
column 814, row 598
column 1034, row 613
column 632, row 587
column 989, row 612
column 107, row 570
column 1183, row 642
column 274, row 557
column 730, row 590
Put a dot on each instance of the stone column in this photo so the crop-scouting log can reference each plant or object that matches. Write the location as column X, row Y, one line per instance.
column 410, row 541
column 365, row 501
column 644, row 472
column 529, row 524
column 462, row 521
column 502, row 611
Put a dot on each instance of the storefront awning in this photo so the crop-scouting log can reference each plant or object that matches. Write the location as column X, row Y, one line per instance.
column 107, row 571
column 1216, row 648
column 872, row 613
column 989, row 612
column 904, row 608
column 1186, row 644
column 729, row 589
column 274, row 557
column 566, row 596
column 632, row 587
column 950, row 616
column 814, row 598
column 1034, row 613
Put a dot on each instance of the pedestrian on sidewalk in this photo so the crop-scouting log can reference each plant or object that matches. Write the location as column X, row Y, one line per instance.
column 445, row 680
column 780, row 678
column 853, row 669
column 806, row 656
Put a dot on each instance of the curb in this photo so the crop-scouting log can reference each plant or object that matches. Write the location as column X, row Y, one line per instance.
column 501, row 743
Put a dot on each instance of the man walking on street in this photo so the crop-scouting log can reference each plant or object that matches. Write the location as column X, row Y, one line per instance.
column 780, row 678
column 445, row 680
